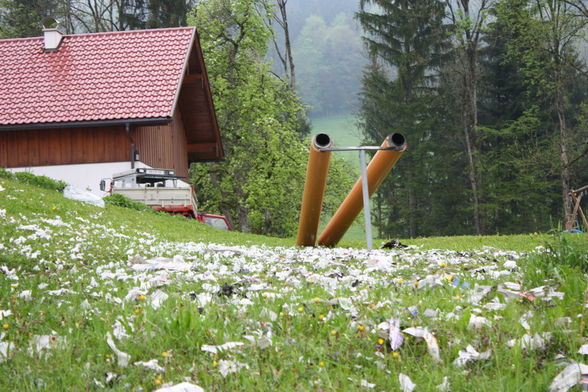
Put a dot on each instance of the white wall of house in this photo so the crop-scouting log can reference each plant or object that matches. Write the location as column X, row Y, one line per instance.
column 84, row 176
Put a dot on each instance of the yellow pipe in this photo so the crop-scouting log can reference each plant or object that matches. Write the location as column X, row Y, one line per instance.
column 314, row 190
column 378, row 168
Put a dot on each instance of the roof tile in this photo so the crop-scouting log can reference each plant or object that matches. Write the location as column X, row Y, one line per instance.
column 103, row 76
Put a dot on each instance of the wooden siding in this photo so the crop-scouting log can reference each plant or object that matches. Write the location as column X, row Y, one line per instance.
column 163, row 146
column 63, row 146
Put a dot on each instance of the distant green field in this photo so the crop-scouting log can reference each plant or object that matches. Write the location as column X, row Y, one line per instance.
column 342, row 128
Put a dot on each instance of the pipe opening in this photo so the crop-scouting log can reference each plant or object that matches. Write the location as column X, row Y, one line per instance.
column 396, row 139
column 322, row 140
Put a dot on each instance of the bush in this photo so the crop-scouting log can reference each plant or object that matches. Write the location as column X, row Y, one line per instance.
column 567, row 254
column 123, row 201
column 6, row 174
column 40, row 181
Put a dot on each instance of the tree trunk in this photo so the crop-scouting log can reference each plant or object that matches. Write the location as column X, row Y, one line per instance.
column 470, row 117
column 289, row 60
column 563, row 148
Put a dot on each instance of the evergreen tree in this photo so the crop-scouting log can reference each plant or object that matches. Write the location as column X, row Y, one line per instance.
column 409, row 37
column 168, row 13
column 23, row 18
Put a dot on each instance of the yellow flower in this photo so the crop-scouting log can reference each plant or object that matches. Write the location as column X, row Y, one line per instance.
column 158, row 380
column 334, row 332
column 14, row 285
column 214, row 363
column 54, row 208
column 107, row 356
column 321, row 363
column 399, row 281
column 360, row 328
column 317, row 299
column 321, row 317
column 164, row 354
column 457, row 297
column 5, row 326
column 443, row 265
column 137, row 310
column 395, row 354
column 381, row 341
column 142, row 297
column 301, row 308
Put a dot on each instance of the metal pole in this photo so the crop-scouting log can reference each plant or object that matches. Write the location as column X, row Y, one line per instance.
column 366, row 200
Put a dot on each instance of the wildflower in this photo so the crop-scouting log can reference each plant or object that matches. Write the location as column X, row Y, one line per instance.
column 14, row 285
column 142, row 297
column 399, row 281
column 214, row 363
column 457, row 297
column 334, row 332
column 158, row 380
column 443, row 265
column 381, row 341
column 395, row 354
column 138, row 310
column 321, row 363
column 164, row 354
column 55, row 208
column 317, row 299
column 107, row 356
column 361, row 328
column 301, row 309
column 321, row 317
column 5, row 326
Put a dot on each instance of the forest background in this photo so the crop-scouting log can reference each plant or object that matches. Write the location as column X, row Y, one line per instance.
column 490, row 94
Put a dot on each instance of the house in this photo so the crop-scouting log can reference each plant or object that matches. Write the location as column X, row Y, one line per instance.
column 82, row 107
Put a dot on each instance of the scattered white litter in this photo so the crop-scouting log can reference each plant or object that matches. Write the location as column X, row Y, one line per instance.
column 568, row 378
column 122, row 357
column 470, row 355
column 157, row 298
column 226, row 367
column 6, row 348
column 432, row 345
column 74, row 193
column 223, row 347
column 152, row 365
column 182, row 387
column 406, row 384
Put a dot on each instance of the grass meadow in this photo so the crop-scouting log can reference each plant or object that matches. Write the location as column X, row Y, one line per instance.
column 112, row 299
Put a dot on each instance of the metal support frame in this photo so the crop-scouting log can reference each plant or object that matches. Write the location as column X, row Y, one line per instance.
column 364, row 184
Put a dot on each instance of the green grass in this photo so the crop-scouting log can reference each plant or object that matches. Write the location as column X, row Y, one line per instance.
column 308, row 318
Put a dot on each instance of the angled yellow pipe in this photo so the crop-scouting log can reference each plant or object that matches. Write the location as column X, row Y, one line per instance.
column 378, row 168
column 314, row 190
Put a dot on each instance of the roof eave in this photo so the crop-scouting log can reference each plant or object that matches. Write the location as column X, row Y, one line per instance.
column 81, row 124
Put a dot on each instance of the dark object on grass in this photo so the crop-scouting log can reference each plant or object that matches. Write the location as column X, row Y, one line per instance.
column 393, row 244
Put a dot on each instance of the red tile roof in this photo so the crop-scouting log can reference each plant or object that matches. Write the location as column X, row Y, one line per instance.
column 103, row 76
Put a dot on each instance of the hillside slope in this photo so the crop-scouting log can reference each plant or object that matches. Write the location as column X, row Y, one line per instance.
column 94, row 299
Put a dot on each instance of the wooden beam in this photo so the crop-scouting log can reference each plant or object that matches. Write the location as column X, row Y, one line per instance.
column 202, row 148
column 192, row 78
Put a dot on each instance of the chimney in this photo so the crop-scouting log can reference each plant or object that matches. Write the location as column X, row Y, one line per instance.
column 53, row 37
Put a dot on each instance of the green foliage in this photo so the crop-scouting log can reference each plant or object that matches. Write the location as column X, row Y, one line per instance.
column 6, row 174
column 408, row 36
column 328, row 64
column 123, row 201
column 40, row 181
column 259, row 185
